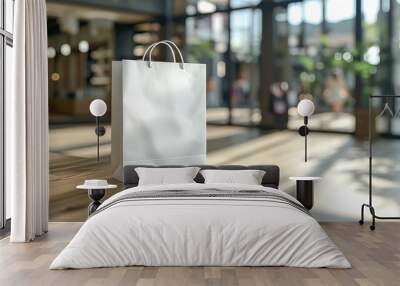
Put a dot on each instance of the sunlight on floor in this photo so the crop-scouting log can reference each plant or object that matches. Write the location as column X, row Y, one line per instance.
column 339, row 159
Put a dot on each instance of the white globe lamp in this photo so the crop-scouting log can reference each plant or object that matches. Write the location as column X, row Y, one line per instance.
column 305, row 108
column 98, row 108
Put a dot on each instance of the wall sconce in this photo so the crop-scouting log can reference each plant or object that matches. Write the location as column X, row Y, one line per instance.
column 305, row 108
column 98, row 108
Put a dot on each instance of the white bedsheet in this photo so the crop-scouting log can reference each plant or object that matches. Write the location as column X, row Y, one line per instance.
column 212, row 231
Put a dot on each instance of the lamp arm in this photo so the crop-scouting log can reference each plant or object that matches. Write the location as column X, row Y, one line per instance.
column 305, row 138
column 98, row 137
column 305, row 148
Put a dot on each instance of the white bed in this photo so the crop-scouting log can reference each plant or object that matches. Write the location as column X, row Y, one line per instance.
column 268, row 229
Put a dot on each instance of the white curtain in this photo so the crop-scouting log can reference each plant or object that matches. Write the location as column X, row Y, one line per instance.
column 27, row 124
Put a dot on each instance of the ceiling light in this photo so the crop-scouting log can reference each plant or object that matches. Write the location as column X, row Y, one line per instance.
column 65, row 50
column 55, row 76
column 83, row 46
column 206, row 7
column 51, row 52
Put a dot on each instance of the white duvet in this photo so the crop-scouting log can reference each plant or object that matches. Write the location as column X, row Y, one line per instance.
column 200, row 231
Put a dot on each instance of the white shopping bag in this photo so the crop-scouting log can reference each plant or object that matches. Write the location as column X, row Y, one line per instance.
column 158, row 112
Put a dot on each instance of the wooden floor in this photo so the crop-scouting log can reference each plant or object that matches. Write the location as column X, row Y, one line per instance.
column 375, row 257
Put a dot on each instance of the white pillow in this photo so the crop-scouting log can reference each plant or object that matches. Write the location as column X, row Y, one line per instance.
column 248, row 177
column 165, row 176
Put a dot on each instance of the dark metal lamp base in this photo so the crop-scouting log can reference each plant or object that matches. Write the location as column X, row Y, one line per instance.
column 95, row 195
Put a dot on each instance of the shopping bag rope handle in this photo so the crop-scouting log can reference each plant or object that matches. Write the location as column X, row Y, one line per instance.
column 167, row 43
column 150, row 48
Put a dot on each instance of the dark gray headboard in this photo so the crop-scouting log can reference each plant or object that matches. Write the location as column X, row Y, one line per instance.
column 270, row 179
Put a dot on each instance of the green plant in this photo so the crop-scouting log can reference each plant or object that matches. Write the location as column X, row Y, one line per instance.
column 314, row 70
column 200, row 51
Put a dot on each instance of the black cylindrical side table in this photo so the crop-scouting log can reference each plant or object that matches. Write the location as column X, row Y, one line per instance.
column 305, row 190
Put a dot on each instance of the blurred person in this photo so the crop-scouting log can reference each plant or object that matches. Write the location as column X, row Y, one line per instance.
column 335, row 93
column 240, row 91
column 279, row 103
column 213, row 99
column 279, row 92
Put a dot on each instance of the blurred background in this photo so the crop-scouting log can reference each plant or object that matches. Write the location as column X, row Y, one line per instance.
column 262, row 57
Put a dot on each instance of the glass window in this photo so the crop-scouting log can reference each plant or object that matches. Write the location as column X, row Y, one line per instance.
column 340, row 22
column 295, row 14
column 346, row 11
column 244, row 3
column 5, row 92
column 370, row 10
column 321, row 65
column 245, row 46
column 232, row 78
column 294, row 19
column 312, row 20
column 314, row 12
column 8, row 90
column 203, row 6
column 207, row 42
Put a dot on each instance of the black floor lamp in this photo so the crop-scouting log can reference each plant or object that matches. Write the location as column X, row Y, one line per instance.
column 98, row 108
column 305, row 108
